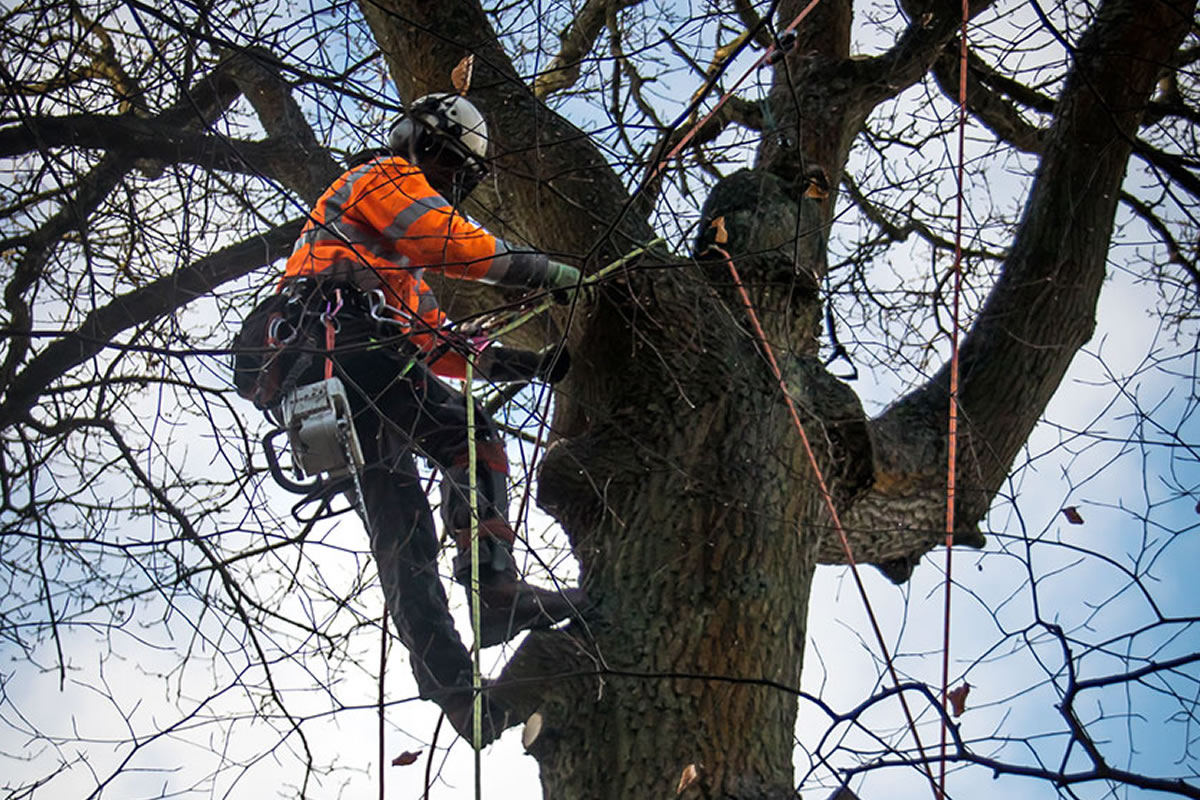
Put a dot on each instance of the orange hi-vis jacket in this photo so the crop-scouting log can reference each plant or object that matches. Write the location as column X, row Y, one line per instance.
column 381, row 225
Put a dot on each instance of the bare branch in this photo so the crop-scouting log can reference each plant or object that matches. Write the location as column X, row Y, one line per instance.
column 576, row 42
column 163, row 141
column 752, row 22
column 993, row 110
column 930, row 29
column 311, row 168
column 1174, row 251
column 1042, row 309
column 900, row 231
column 138, row 307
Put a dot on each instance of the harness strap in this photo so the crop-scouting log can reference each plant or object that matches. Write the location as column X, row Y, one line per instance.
column 329, row 339
column 331, row 331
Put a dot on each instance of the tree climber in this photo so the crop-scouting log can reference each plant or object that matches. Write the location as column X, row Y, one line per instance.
column 382, row 225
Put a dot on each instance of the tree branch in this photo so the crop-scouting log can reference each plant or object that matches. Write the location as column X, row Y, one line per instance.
column 997, row 113
column 138, row 307
column 821, row 95
column 1042, row 308
column 752, row 22
column 899, row 231
column 135, row 138
column 308, row 167
column 932, row 26
column 577, row 41
column 39, row 246
column 1174, row 250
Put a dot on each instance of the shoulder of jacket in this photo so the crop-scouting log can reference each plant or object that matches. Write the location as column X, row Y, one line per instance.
column 377, row 160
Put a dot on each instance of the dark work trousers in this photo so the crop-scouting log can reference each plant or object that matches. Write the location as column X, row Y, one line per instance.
column 402, row 410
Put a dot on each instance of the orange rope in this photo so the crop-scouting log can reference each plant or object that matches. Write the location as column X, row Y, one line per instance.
column 952, row 432
column 767, row 350
column 827, row 497
column 329, row 341
column 938, row 786
column 331, row 311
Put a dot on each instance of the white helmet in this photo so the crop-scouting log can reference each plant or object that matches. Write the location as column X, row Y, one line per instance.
column 451, row 118
column 447, row 137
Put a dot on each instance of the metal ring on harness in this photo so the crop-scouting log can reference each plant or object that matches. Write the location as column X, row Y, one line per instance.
column 377, row 306
column 273, row 337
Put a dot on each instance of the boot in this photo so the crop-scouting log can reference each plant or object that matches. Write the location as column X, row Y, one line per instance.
column 460, row 708
column 508, row 605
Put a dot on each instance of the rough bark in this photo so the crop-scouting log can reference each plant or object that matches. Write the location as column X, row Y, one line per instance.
column 677, row 474
column 698, row 551
column 680, row 481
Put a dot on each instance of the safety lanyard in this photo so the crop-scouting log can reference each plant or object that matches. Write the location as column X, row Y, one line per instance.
column 331, row 311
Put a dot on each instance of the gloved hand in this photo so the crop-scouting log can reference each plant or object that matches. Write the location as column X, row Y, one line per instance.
column 553, row 363
column 559, row 279
column 505, row 364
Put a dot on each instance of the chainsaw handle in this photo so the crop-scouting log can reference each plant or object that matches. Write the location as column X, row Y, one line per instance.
column 323, row 497
column 268, row 443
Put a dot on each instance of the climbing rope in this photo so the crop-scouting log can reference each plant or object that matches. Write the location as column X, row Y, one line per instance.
column 826, row 496
column 473, row 504
column 952, row 423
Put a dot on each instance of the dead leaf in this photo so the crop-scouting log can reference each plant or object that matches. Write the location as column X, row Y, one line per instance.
column 722, row 235
column 1072, row 515
column 461, row 74
column 689, row 776
column 958, row 699
column 406, row 758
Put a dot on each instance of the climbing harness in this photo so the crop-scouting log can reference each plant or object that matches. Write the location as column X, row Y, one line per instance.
column 278, row 345
column 275, row 349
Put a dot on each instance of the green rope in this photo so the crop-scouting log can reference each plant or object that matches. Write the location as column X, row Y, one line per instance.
column 472, row 494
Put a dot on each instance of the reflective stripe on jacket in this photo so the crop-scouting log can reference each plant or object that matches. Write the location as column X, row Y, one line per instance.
column 381, row 225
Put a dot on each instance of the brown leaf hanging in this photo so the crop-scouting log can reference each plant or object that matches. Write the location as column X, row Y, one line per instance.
column 1073, row 516
column 722, row 235
column 461, row 75
column 689, row 776
column 958, row 699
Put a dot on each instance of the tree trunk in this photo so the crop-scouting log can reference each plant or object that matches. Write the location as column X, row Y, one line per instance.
column 679, row 477
column 697, row 546
column 699, row 549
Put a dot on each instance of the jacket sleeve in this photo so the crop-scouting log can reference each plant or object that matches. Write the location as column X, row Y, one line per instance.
column 398, row 201
column 450, row 365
